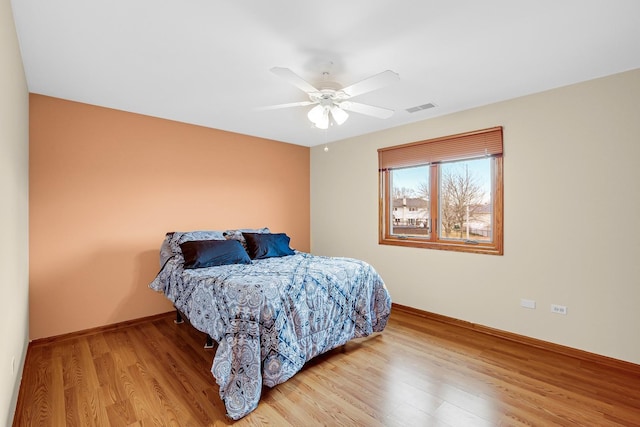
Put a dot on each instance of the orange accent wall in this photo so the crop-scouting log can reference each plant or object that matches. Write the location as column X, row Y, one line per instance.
column 105, row 187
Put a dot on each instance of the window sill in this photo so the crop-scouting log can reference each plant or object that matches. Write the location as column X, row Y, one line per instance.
column 477, row 248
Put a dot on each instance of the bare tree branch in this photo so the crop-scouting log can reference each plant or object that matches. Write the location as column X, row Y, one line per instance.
column 460, row 190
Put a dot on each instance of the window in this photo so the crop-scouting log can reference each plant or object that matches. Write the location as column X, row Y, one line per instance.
column 444, row 193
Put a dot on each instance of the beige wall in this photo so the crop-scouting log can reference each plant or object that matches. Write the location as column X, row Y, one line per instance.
column 572, row 201
column 105, row 187
column 14, row 214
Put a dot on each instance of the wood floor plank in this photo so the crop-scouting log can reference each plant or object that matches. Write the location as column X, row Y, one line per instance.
column 417, row 372
column 173, row 371
column 149, row 407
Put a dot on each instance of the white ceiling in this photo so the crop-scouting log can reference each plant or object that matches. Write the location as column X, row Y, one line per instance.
column 207, row 62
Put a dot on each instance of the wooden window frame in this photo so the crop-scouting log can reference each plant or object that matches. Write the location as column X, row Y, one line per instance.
column 433, row 152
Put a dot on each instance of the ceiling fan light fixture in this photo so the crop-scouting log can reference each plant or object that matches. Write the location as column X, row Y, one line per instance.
column 324, row 122
column 315, row 114
column 339, row 115
column 319, row 116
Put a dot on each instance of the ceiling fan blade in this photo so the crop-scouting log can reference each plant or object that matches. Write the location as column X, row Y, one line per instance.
column 291, row 104
column 294, row 79
column 372, row 83
column 369, row 110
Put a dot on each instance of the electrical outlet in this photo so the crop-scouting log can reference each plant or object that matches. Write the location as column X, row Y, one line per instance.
column 527, row 303
column 558, row 309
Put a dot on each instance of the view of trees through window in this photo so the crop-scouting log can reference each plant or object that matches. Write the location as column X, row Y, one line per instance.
column 463, row 194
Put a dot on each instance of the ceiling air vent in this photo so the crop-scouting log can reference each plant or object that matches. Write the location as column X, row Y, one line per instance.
column 421, row 107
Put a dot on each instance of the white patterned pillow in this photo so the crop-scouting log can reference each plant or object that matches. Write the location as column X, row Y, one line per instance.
column 236, row 234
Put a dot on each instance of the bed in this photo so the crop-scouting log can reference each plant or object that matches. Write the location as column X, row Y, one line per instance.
column 268, row 307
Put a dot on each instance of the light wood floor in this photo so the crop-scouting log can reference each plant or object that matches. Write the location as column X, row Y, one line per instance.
column 418, row 372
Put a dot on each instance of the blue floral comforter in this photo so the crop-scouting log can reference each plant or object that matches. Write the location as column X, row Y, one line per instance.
column 273, row 315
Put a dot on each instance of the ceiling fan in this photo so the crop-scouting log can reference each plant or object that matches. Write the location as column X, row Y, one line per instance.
column 332, row 101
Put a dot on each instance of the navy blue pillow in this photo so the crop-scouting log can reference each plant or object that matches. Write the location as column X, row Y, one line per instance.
column 265, row 245
column 209, row 253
